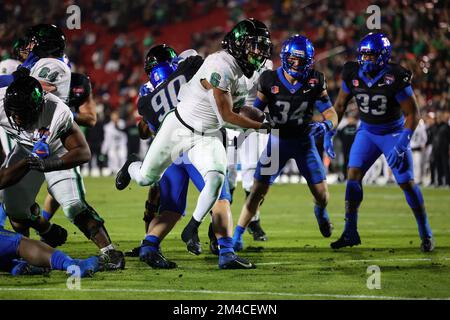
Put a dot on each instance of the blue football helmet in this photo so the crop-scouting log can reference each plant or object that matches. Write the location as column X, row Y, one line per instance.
column 160, row 63
column 300, row 47
column 378, row 45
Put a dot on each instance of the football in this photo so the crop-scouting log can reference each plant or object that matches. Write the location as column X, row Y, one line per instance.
column 252, row 113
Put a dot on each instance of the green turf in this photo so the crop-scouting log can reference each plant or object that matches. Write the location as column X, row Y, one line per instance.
column 296, row 262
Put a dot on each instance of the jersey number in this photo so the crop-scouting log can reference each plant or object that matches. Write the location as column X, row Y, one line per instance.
column 283, row 115
column 166, row 99
column 44, row 73
column 379, row 101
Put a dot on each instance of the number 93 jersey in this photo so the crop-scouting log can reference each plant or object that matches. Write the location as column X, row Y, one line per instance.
column 155, row 105
column 378, row 98
column 290, row 106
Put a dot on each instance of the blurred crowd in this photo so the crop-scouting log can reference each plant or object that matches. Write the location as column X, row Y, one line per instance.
column 117, row 34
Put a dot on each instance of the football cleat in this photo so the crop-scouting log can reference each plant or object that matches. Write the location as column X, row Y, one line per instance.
column 55, row 236
column 112, row 260
column 254, row 228
column 133, row 252
column 123, row 177
column 345, row 241
column 213, row 243
column 427, row 244
column 230, row 260
column 155, row 259
column 326, row 228
column 88, row 266
column 190, row 237
column 23, row 268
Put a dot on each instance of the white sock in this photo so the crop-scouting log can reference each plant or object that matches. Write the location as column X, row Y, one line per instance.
column 135, row 173
column 107, row 248
column 209, row 195
column 256, row 216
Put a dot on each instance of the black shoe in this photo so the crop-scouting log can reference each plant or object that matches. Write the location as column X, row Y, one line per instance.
column 123, row 177
column 55, row 236
column 190, row 237
column 254, row 228
column 156, row 259
column 112, row 260
column 326, row 228
column 230, row 260
column 133, row 253
column 213, row 243
column 345, row 241
column 427, row 244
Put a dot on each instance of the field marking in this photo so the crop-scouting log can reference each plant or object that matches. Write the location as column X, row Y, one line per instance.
column 252, row 293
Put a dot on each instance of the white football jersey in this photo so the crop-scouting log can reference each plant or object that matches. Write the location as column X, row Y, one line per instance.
column 222, row 71
column 8, row 66
column 56, row 118
column 55, row 72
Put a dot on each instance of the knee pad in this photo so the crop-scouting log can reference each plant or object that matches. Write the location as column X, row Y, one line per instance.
column 214, row 181
column 354, row 191
column 73, row 208
column 89, row 222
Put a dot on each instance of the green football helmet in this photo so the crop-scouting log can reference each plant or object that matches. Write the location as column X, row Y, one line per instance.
column 249, row 43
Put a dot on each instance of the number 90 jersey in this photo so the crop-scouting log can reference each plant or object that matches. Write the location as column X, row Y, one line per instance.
column 290, row 106
column 155, row 106
column 377, row 98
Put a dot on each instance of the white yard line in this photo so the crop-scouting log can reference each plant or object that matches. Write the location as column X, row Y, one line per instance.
column 250, row 293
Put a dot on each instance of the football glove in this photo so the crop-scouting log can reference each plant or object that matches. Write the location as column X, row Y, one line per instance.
column 318, row 129
column 41, row 148
column 328, row 143
column 396, row 158
column 44, row 165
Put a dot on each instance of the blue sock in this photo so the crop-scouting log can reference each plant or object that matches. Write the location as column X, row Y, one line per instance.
column 60, row 261
column 225, row 245
column 353, row 197
column 2, row 216
column 321, row 214
column 47, row 216
column 416, row 203
column 238, row 232
column 152, row 243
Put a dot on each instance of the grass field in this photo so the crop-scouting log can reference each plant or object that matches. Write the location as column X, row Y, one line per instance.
column 296, row 262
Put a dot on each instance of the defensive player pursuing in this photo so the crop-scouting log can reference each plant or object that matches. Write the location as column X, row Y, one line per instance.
column 291, row 93
column 45, row 44
column 166, row 79
column 389, row 114
column 206, row 103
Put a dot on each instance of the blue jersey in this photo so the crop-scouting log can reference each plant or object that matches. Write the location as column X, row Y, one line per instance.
column 154, row 106
column 378, row 98
column 292, row 106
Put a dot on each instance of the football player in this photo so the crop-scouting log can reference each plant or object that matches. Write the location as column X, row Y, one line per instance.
column 291, row 93
column 389, row 115
column 20, row 255
column 166, row 79
column 206, row 104
column 45, row 44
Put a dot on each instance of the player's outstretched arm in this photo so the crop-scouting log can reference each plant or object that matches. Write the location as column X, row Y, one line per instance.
column 87, row 115
column 340, row 105
column 13, row 173
column 144, row 130
column 222, row 99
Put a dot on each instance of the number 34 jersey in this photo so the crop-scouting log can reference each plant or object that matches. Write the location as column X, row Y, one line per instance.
column 291, row 107
column 378, row 98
